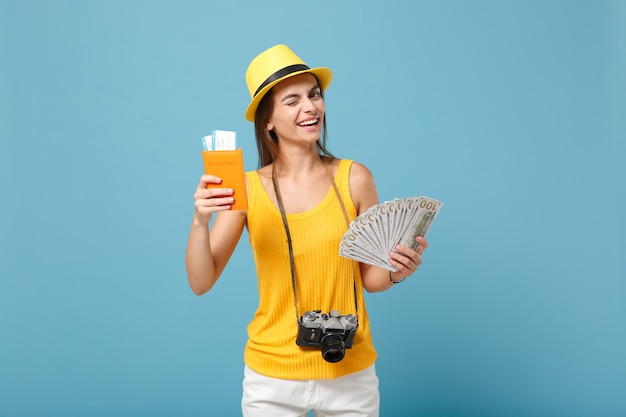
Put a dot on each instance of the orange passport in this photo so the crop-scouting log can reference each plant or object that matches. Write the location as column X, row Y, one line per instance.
column 228, row 165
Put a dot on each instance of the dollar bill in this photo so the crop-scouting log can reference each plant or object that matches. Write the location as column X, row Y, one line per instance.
column 376, row 232
column 421, row 221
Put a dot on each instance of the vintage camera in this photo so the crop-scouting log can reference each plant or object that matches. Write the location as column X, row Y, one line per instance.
column 332, row 332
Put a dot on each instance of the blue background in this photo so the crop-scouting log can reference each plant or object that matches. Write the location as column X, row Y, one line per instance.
column 511, row 113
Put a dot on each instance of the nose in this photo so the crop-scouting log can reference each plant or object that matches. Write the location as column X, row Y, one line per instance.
column 308, row 105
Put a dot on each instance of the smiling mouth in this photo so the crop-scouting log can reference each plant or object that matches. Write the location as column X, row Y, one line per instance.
column 307, row 123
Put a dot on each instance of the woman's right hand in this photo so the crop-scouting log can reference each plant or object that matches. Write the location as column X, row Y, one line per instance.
column 212, row 199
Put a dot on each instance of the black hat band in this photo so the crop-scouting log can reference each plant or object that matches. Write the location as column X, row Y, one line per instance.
column 280, row 74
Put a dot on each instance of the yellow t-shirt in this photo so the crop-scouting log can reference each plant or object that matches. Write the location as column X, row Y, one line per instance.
column 324, row 281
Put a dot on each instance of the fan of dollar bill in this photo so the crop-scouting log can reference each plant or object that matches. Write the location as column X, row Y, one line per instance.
column 373, row 234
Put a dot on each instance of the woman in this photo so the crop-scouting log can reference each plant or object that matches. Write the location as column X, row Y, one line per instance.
column 300, row 202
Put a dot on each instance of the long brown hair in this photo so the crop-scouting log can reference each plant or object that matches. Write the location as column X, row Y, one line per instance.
column 267, row 141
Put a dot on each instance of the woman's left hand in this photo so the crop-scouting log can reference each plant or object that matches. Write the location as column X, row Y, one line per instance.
column 406, row 260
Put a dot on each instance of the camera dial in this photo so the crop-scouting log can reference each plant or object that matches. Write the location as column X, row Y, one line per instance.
column 309, row 316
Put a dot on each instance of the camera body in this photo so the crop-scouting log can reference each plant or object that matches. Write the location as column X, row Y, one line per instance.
column 332, row 332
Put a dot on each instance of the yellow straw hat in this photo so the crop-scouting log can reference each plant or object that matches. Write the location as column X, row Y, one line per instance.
column 274, row 65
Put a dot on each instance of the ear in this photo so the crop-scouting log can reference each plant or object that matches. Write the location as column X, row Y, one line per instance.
column 269, row 126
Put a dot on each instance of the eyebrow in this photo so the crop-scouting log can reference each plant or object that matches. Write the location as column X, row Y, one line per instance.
column 294, row 95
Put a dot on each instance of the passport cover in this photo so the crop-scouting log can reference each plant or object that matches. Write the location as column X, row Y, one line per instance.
column 228, row 165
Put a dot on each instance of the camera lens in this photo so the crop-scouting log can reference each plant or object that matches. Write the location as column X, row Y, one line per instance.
column 333, row 349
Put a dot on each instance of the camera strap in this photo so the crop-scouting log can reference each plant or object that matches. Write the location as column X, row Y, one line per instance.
column 283, row 215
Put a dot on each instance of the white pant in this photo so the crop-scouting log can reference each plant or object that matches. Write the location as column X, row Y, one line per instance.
column 347, row 396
